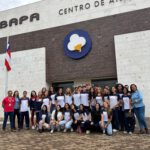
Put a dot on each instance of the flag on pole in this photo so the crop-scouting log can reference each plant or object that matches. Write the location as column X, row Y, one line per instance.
column 8, row 58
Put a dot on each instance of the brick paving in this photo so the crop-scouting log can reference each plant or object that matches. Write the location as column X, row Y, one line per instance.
column 32, row 140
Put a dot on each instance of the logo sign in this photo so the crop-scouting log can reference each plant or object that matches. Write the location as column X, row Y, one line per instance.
column 77, row 44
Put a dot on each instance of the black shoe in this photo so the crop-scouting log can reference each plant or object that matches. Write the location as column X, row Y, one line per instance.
column 146, row 130
column 40, row 130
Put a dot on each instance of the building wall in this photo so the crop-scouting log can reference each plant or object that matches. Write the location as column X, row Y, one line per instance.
column 28, row 72
column 133, row 62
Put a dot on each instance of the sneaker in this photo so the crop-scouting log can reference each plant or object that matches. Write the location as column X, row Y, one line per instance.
column 87, row 132
column 103, row 131
column 52, row 131
column 114, row 130
column 71, row 130
column 65, row 130
column 125, row 132
column 33, row 127
column 130, row 133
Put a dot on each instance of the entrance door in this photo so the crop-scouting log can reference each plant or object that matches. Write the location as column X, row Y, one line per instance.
column 63, row 85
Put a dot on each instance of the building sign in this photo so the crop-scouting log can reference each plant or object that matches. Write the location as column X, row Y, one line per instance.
column 77, row 44
column 19, row 21
column 90, row 5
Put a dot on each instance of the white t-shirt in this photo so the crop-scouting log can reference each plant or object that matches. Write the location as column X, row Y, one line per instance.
column 68, row 99
column 113, row 100
column 99, row 100
column 46, row 102
column 53, row 98
column 105, row 115
column 85, row 99
column 59, row 115
column 126, row 100
column 77, row 99
column 76, row 115
column 24, row 105
column 61, row 101
column 67, row 116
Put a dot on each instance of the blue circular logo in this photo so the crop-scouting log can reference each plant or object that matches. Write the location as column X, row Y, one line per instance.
column 77, row 44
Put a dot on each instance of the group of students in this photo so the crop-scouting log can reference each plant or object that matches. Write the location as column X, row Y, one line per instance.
column 86, row 109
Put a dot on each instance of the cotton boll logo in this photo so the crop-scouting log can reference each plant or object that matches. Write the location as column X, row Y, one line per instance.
column 77, row 44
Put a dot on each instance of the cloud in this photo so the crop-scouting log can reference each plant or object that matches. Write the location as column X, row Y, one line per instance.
column 76, row 43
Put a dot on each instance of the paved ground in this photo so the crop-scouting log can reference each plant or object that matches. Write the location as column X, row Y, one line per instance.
column 32, row 140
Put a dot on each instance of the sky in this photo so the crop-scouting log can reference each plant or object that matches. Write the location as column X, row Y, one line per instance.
column 7, row 4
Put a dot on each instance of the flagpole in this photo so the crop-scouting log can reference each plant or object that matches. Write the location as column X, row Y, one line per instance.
column 6, row 73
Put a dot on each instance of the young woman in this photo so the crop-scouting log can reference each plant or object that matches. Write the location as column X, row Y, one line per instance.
column 106, row 119
column 85, row 120
column 128, row 112
column 92, row 96
column 77, row 98
column 119, row 88
column 85, row 99
column 99, row 98
column 24, row 110
column 67, row 122
column 44, row 121
column 16, row 109
column 114, row 105
column 47, row 102
column 68, row 96
column 96, row 118
column 60, row 98
column 75, row 114
column 32, row 107
column 38, row 105
column 139, row 108
column 106, row 94
column 57, row 116
column 52, row 99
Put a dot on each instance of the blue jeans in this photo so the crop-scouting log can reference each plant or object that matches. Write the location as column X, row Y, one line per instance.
column 26, row 116
column 10, row 114
column 140, row 114
column 66, row 124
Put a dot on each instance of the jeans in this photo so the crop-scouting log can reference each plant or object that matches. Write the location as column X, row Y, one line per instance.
column 121, row 119
column 129, row 121
column 16, row 114
column 115, row 119
column 66, row 124
column 26, row 116
column 10, row 114
column 140, row 114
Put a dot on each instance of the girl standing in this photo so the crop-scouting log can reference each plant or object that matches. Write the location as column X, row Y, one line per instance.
column 77, row 98
column 32, row 107
column 38, row 105
column 139, row 108
column 60, row 98
column 114, row 105
column 68, row 96
column 128, row 112
column 16, row 109
column 24, row 110
column 52, row 95
column 92, row 98
column 99, row 98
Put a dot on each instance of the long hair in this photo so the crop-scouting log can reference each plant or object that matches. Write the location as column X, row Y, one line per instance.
column 44, row 111
column 56, row 112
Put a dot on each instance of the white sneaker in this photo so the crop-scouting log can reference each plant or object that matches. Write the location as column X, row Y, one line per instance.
column 125, row 132
column 52, row 131
column 33, row 127
column 130, row 133
column 71, row 130
column 65, row 130
column 103, row 131
column 114, row 130
column 87, row 132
